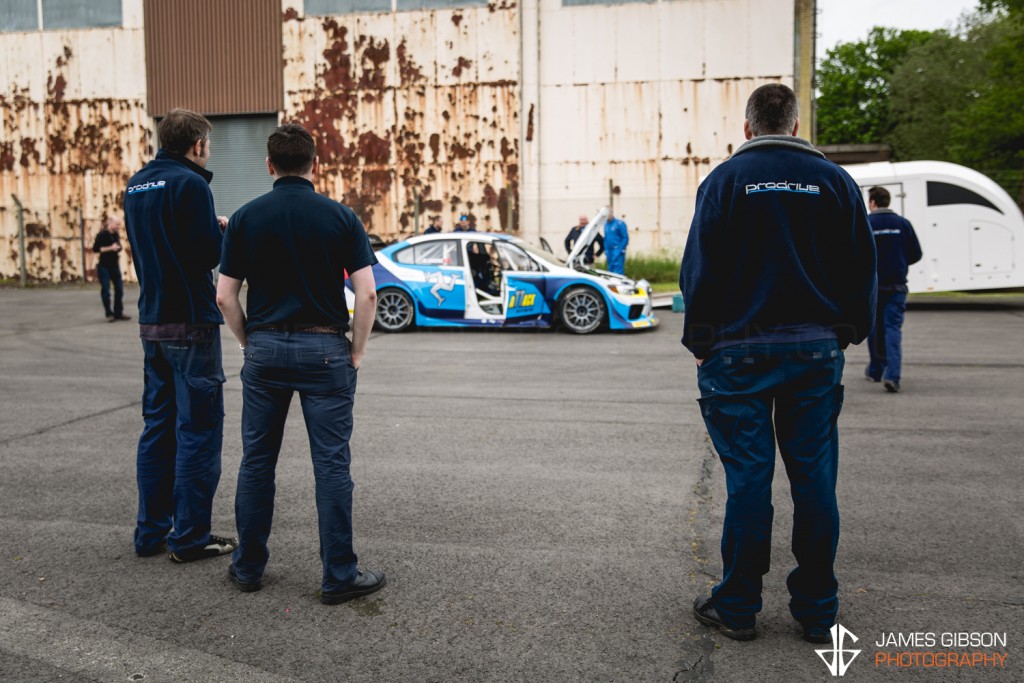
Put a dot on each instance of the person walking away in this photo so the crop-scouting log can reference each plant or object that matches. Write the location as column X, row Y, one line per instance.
column 898, row 248
column 108, row 268
column 176, row 240
column 616, row 238
column 778, row 277
column 291, row 246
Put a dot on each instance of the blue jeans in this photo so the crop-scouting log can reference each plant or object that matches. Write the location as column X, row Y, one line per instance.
column 106, row 276
column 178, row 462
column 319, row 368
column 885, row 342
column 752, row 396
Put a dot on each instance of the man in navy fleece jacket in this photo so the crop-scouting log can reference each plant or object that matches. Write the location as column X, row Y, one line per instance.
column 176, row 240
column 778, row 277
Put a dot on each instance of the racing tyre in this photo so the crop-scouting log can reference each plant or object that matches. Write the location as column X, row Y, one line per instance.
column 394, row 310
column 581, row 310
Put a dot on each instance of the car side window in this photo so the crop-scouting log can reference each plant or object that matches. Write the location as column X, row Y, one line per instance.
column 433, row 253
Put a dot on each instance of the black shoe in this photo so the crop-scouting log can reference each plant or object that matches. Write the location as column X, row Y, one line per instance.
column 111, row 318
column 870, row 378
column 892, row 386
column 821, row 635
column 244, row 586
column 705, row 613
column 367, row 581
column 121, row 316
column 218, row 545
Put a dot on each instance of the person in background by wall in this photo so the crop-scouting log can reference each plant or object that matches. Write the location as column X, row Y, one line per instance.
column 574, row 234
column 777, row 281
column 898, row 248
column 176, row 241
column 616, row 238
column 434, row 226
column 108, row 268
column 464, row 225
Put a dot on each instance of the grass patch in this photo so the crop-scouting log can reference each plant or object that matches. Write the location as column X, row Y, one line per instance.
column 661, row 269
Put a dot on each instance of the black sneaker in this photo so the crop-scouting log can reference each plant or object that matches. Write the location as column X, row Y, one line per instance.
column 218, row 545
column 870, row 378
column 814, row 633
column 892, row 386
column 367, row 581
column 244, row 586
column 706, row 614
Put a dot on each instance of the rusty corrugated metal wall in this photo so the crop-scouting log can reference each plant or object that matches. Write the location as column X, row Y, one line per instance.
column 411, row 103
column 213, row 56
column 74, row 128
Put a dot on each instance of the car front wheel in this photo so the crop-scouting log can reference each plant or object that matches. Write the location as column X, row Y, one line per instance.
column 581, row 310
column 394, row 310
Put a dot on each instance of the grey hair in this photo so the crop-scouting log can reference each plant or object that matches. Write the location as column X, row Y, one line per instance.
column 772, row 110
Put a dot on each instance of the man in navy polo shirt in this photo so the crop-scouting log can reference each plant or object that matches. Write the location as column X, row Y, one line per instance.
column 778, row 277
column 898, row 248
column 293, row 246
column 176, row 237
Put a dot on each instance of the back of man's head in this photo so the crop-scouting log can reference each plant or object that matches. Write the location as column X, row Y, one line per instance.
column 880, row 196
column 291, row 150
column 181, row 129
column 772, row 110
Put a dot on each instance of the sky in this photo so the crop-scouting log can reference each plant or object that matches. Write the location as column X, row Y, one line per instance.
column 844, row 21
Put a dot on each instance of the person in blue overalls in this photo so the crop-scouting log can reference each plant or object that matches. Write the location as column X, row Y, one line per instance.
column 616, row 237
column 898, row 248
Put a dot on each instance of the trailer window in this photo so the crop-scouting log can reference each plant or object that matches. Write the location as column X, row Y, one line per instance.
column 944, row 194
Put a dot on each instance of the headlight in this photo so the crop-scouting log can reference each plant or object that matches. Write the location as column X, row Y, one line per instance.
column 626, row 290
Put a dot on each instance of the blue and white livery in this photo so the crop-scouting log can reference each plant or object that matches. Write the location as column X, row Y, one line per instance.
column 471, row 279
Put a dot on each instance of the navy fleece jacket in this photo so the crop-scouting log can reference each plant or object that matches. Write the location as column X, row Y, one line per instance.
column 779, row 250
column 176, row 241
column 897, row 247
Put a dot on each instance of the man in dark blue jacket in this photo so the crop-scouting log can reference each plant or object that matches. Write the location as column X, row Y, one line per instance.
column 176, row 241
column 590, row 254
column 898, row 248
column 778, row 277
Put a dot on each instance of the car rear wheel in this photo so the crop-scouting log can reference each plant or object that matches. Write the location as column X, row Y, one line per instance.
column 394, row 310
column 581, row 310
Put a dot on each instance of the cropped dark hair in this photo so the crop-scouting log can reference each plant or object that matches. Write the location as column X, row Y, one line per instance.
column 181, row 128
column 880, row 196
column 291, row 149
column 772, row 110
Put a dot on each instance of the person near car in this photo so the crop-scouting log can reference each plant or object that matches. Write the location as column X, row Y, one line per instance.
column 574, row 234
column 175, row 237
column 898, row 248
column 464, row 224
column 108, row 268
column 291, row 245
column 435, row 226
column 616, row 239
column 778, row 277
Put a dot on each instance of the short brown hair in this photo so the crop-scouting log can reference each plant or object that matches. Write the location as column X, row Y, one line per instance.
column 181, row 128
column 772, row 110
column 880, row 196
column 291, row 149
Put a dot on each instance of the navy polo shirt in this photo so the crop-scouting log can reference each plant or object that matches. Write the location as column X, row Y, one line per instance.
column 293, row 246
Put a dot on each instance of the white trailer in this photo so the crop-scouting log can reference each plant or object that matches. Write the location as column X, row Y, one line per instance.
column 971, row 231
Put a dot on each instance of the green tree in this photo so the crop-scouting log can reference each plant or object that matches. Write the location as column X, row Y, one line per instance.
column 854, row 85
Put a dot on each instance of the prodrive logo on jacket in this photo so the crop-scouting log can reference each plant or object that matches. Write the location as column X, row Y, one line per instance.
column 143, row 187
column 782, row 186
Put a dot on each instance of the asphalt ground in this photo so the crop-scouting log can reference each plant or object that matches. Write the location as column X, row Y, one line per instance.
column 546, row 507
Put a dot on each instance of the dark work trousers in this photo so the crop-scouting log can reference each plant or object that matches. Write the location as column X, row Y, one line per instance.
column 108, row 276
column 319, row 368
column 179, row 450
column 752, row 396
column 885, row 342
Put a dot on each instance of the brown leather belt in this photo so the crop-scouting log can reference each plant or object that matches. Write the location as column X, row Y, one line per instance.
column 294, row 327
